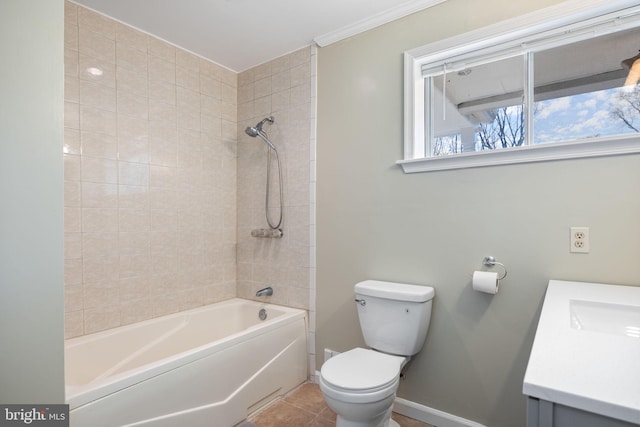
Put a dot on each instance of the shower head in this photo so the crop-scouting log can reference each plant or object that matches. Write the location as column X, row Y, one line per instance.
column 257, row 131
column 251, row 131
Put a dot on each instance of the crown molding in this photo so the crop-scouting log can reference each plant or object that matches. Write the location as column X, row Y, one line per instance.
column 375, row 21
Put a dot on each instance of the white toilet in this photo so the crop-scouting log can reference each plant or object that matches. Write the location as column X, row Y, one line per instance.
column 360, row 384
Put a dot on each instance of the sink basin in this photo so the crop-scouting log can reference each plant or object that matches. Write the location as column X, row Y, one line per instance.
column 615, row 319
column 586, row 351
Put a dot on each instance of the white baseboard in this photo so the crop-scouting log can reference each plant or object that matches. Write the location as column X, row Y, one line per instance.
column 425, row 414
column 431, row 416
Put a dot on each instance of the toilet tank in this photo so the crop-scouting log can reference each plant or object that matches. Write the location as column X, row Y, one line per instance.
column 394, row 317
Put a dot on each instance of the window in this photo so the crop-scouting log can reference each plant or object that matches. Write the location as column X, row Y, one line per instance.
column 550, row 85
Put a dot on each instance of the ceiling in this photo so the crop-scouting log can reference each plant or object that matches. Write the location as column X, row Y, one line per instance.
column 240, row 34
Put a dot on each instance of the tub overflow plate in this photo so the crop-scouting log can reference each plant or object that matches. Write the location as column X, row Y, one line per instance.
column 262, row 314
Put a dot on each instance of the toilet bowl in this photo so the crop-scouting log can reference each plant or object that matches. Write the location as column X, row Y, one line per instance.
column 360, row 384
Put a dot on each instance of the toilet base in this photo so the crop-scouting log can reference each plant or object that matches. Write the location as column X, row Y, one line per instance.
column 384, row 421
column 346, row 423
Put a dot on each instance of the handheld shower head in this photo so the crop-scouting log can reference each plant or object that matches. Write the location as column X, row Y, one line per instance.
column 257, row 131
column 251, row 131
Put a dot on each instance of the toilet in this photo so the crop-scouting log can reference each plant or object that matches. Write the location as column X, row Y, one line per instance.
column 360, row 384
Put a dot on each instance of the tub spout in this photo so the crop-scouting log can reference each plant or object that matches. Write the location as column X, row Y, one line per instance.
column 265, row 292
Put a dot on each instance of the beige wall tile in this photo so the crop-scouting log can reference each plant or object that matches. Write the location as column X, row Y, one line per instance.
column 101, row 318
column 73, row 324
column 99, row 220
column 163, row 113
column 97, row 120
column 133, row 197
column 71, row 88
column 99, row 145
column 134, row 168
column 73, row 298
column 97, row 23
column 72, row 272
column 72, row 141
column 71, row 167
column 161, row 70
column 188, row 78
column 97, row 195
column 131, row 37
column 96, row 45
column 72, row 115
column 162, row 50
column 71, row 36
column 131, row 220
column 101, row 269
column 71, row 60
column 133, row 173
column 70, row 13
column 210, row 85
column 72, row 245
column 101, row 294
column 97, row 69
column 99, row 244
column 95, row 169
column 162, row 91
column 131, row 58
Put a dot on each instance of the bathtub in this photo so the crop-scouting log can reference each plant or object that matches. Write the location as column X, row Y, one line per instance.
column 209, row 366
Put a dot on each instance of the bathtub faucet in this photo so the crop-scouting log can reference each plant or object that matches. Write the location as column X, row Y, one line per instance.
column 265, row 292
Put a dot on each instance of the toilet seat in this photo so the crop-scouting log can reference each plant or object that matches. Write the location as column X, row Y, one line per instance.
column 361, row 375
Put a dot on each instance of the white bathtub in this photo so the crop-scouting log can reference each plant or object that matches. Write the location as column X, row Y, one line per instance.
column 209, row 366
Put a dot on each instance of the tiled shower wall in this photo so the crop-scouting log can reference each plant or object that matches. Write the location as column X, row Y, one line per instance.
column 284, row 88
column 281, row 88
column 150, row 176
column 160, row 178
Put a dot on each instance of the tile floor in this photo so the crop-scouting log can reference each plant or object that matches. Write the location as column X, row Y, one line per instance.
column 305, row 407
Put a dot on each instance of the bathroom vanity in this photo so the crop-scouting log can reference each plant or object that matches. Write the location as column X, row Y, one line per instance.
column 584, row 367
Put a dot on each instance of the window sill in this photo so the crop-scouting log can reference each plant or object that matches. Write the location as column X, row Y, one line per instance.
column 596, row 147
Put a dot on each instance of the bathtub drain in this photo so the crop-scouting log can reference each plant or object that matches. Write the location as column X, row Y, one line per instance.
column 262, row 314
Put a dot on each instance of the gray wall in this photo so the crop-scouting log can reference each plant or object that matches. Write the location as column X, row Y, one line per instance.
column 373, row 221
column 31, row 259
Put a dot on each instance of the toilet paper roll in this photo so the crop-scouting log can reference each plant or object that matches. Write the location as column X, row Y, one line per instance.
column 485, row 281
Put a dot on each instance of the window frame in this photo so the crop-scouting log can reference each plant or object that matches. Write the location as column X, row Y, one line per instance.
column 573, row 14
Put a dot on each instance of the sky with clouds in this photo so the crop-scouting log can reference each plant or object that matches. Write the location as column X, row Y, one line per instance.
column 586, row 115
column 580, row 116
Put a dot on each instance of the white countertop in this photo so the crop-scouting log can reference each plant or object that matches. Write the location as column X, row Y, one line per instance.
column 586, row 352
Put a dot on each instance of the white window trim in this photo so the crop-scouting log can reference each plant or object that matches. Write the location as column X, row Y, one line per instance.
column 565, row 14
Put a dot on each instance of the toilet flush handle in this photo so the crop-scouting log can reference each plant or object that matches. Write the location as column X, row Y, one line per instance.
column 361, row 302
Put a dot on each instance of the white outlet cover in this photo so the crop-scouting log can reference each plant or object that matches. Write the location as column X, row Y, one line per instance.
column 579, row 240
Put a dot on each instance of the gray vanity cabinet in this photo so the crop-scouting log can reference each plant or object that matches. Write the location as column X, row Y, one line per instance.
column 542, row 413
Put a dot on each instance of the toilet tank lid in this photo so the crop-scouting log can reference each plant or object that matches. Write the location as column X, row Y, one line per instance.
column 395, row 291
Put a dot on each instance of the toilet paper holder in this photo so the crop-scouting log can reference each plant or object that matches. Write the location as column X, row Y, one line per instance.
column 490, row 261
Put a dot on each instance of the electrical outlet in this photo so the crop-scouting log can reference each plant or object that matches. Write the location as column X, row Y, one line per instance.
column 579, row 240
